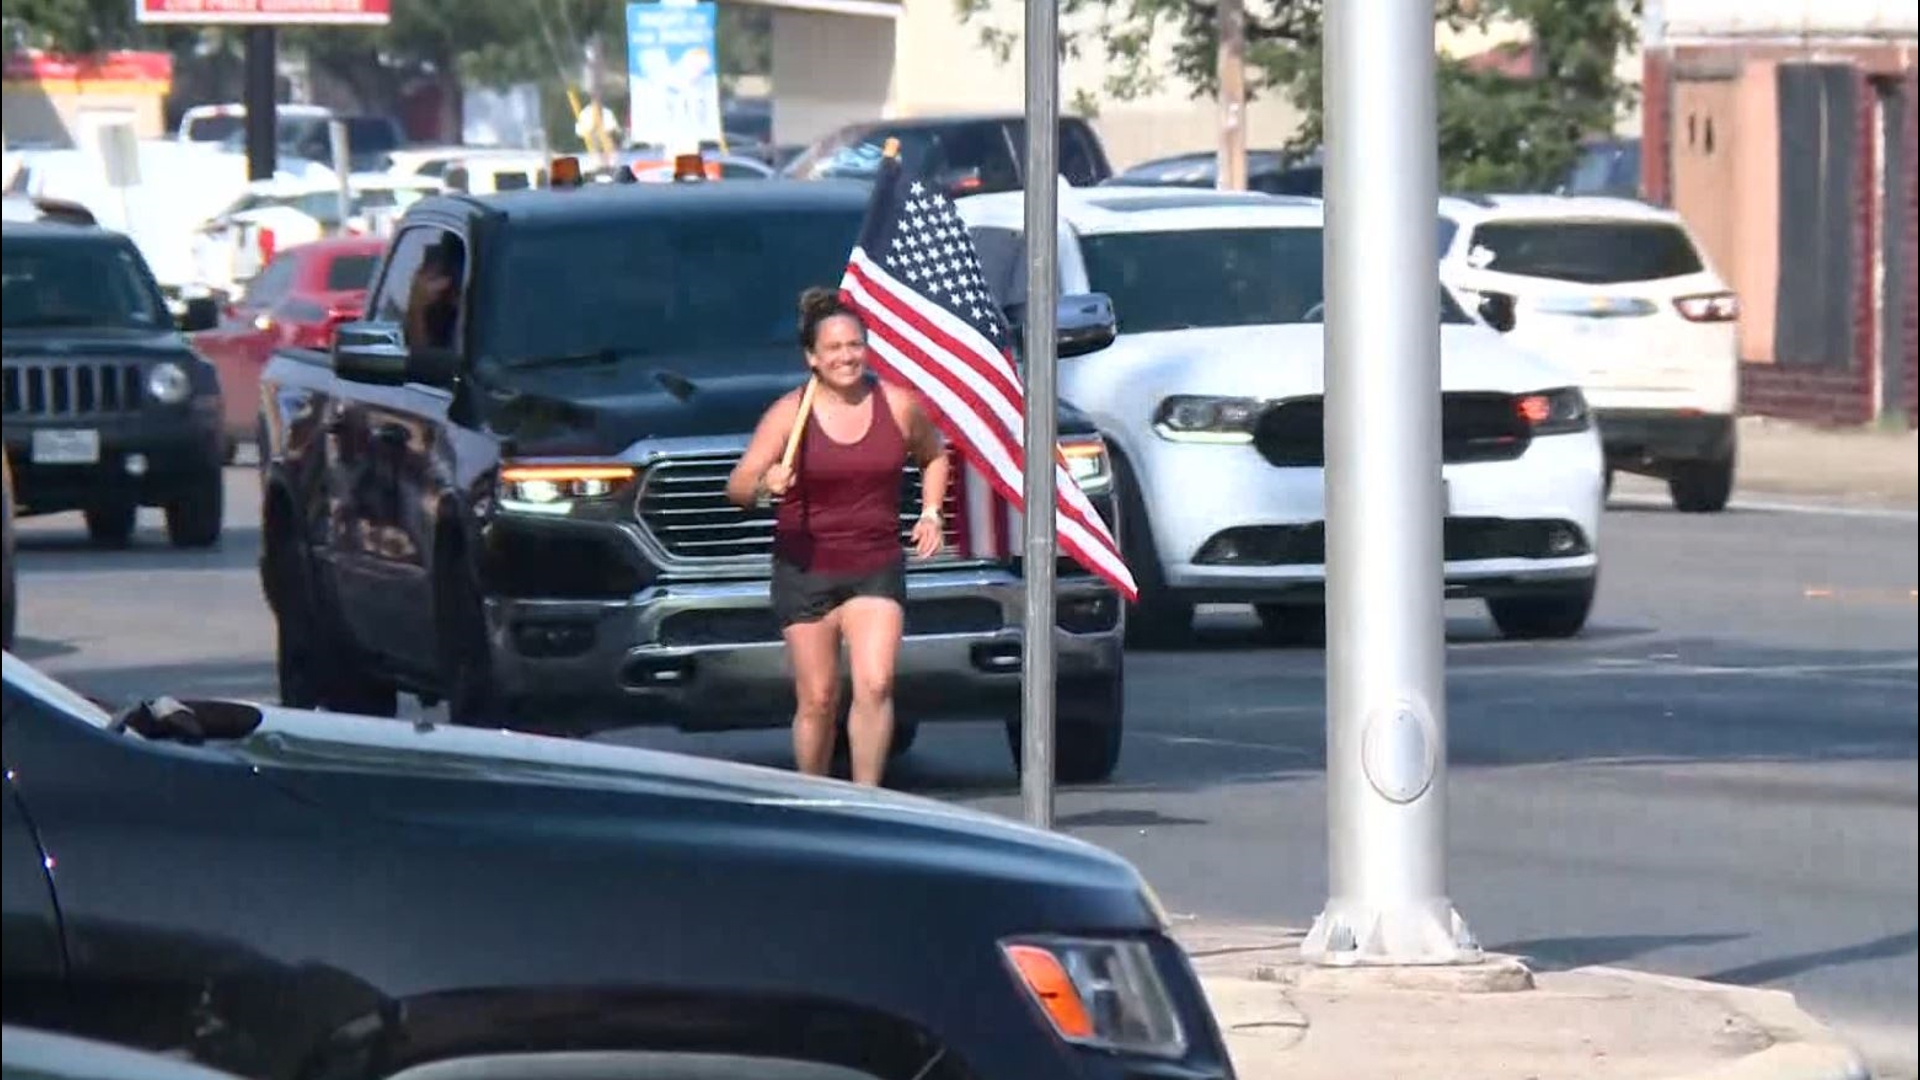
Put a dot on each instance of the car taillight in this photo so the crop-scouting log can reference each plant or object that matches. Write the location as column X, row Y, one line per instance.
column 1709, row 307
column 263, row 240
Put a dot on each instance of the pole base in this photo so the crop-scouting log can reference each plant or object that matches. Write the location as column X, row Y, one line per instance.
column 1349, row 934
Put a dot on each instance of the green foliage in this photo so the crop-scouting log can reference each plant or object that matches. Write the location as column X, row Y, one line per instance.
column 1495, row 132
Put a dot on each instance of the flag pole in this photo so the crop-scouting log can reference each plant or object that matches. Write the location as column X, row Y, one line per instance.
column 1042, row 424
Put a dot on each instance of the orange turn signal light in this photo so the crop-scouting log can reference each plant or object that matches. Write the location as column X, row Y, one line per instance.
column 519, row 474
column 565, row 172
column 1053, row 988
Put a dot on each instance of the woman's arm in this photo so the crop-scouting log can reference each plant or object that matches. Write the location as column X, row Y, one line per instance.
column 763, row 452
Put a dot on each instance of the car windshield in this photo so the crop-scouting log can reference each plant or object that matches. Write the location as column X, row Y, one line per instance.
column 77, row 283
column 684, row 286
column 1588, row 252
column 855, row 154
column 1215, row 277
column 323, row 205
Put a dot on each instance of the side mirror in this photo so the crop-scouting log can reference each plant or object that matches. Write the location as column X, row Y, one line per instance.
column 375, row 353
column 201, row 313
column 1084, row 323
column 1497, row 311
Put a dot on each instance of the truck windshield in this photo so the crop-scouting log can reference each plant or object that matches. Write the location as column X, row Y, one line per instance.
column 77, row 283
column 682, row 287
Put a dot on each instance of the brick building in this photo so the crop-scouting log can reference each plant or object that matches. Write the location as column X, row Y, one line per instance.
column 1784, row 131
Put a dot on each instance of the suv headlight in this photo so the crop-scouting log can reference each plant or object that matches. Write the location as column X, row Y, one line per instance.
column 1199, row 418
column 1554, row 412
column 1098, row 993
column 169, row 383
column 1087, row 462
column 556, row 489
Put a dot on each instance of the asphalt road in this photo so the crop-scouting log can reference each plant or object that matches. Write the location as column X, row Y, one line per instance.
column 1718, row 780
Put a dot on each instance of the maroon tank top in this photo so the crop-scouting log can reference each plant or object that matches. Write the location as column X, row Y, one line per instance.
column 842, row 514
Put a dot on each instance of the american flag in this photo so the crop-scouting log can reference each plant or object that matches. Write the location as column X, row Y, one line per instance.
column 915, row 278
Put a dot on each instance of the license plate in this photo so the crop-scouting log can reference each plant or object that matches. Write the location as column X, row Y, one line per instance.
column 53, row 447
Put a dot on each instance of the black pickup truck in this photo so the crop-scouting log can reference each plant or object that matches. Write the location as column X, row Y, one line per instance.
column 505, row 488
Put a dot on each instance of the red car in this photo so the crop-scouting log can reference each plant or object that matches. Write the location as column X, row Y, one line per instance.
column 296, row 301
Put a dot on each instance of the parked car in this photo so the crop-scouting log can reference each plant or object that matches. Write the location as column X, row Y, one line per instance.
column 963, row 155
column 1623, row 294
column 523, row 512
column 287, row 894
column 1210, row 401
column 298, row 300
column 1274, row 172
column 107, row 406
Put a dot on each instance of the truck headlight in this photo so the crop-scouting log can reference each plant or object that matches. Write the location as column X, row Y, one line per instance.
column 169, row 383
column 1102, row 994
column 1554, row 412
column 1199, row 418
column 1087, row 462
column 557, row 489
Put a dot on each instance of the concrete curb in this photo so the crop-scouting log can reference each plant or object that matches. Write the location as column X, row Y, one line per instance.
column 1252, row 994
column 1803, row 1047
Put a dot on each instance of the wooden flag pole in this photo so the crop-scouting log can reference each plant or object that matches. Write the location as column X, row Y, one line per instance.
column 891, row 149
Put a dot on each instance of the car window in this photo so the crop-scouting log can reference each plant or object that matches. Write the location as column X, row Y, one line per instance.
column 423, row 287
column 350, row 271
column 83, row 283
column 1215, row 277
column 1079, row 158
column 983, row 147
column 854, row 153
column 1588, row 252
column 1002, row 262
column 271, row 283
column 689, row 288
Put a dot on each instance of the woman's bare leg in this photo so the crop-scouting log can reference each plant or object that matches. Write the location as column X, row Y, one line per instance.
column 872, row 626
column 814, row 650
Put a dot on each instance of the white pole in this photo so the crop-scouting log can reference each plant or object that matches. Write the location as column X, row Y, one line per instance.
column 1386, row 693
column 1042, row 425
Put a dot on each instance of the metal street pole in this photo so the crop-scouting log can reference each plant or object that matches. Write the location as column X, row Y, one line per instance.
column 342, row 167
column 1042, row 314
column 1386, row 632
column 261, row 94
column 1230, row 66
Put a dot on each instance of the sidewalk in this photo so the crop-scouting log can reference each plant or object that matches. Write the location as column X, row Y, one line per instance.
column 1778, row 457
column 1495, row 1021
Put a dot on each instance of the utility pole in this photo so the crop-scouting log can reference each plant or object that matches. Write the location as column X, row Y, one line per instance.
column 260, row 95
column 1386, row 632
column 1042, row 424
column 1231, row 172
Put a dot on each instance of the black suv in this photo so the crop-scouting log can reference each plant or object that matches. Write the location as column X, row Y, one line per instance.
column 505, row 489
column 290, row 895
column 964, row 155
column 107, row 406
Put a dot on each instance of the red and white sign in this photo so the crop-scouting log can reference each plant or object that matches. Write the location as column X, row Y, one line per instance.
column 302, row 12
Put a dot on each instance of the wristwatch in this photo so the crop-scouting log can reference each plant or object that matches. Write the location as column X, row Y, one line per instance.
column 931, row 513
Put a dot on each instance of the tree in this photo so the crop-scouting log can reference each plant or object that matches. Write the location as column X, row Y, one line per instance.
column 1495, row 131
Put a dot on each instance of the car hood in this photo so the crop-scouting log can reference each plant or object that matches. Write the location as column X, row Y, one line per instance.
column 119, row 343
column 1287, row 361
column 602, row 410
column 486, row 780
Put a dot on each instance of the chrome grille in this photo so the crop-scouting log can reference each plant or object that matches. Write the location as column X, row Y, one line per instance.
column 62, row 390
column 683, row 506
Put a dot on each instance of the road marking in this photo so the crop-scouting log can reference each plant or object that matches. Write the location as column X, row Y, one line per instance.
column 1768, row 506
column 1614, row 667
column 1231, row 744
column 1893, row 595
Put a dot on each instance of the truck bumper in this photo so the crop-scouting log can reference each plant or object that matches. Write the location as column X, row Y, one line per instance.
column 708, row 656
column 143, row 459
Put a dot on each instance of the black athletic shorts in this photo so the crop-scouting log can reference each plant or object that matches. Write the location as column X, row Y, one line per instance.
column 802, row 596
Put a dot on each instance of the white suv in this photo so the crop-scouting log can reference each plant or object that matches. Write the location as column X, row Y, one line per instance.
column 1210, row 402
column 1622, row 293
